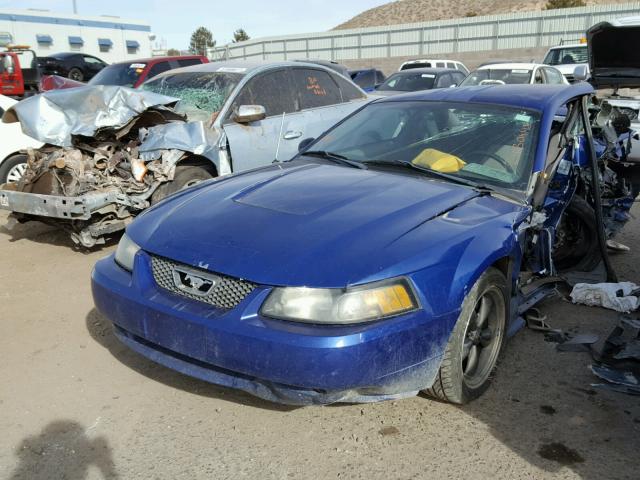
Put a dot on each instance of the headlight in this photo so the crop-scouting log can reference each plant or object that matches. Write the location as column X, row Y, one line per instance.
column 338, row 306
column 126, row 252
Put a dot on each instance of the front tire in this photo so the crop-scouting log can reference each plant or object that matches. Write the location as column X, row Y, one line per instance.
column 186, row 176
column 13, row 168
column 475, row 343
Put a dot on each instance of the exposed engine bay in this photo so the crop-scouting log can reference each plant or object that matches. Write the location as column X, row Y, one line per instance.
column 93, row 182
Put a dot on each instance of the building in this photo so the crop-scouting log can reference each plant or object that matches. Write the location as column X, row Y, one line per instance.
column 113, row 39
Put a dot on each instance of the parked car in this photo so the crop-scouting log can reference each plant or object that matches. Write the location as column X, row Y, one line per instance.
column 419, row 79
column 13, row 161
column 367, row 78
column 514, row 73
column 435, row 63
column 132, row 73
column 566, row 58
column 231, row 117
column 394, row 255
column 76, row 66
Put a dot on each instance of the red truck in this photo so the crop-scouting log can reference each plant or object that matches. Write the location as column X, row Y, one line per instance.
column 131, row 73
column 19, row 73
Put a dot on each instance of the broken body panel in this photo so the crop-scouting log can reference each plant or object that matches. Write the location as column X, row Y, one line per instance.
column 109, row 149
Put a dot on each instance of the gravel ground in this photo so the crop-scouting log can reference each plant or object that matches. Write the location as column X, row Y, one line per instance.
column 75, row 404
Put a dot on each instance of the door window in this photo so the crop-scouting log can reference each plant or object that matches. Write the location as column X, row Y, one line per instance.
column 158, row 68
column 316, row 88
column 440, row 64
column 93, row 61
column 553, row 76
column 271, row 90
column 444, row 81
column 187, row 62
column 348, row 91
column 538, row 77
column 451, row 65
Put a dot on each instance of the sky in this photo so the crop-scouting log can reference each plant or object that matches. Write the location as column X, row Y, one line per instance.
column 173, row 21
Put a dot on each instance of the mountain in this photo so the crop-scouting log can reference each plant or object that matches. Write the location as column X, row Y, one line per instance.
column 412, row 11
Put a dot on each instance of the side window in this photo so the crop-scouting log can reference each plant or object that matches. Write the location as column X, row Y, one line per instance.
column 316, row 88
column 462, row 68
column 553, row 76
column 187, row 62
column 380, row 77
column 158, row 68
column 444, row 81
column 458, row 77
column 439, row 64
column 271, row 90
column 92, row 60
column 451, row 65
column 539, row 78
column 347, row 89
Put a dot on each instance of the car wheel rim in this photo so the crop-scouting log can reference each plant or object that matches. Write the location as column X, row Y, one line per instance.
column 16, row 173
column 75, row 76
column 483, row 337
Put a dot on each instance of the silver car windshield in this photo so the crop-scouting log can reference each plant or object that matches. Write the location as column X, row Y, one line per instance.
column 482, row 143
column 202, row 94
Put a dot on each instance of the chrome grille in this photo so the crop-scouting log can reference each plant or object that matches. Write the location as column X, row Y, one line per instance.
column 227, row 293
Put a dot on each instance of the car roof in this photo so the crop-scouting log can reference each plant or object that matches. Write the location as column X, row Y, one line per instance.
column 536, row 97
column 521, row 65
column 244, row 67
column 159, row 59
column 420, row 60
column 569, row 45
column 433, row 70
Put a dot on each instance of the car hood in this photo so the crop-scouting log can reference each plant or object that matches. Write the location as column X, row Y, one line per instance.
column 614, row 56
column 310, row 224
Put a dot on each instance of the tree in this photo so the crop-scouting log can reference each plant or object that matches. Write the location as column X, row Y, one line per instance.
column 240, row 36
column 554, row 4
column 201, row 39
column 172, row 52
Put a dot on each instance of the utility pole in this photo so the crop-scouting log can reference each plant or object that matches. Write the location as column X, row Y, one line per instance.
column 75, row 7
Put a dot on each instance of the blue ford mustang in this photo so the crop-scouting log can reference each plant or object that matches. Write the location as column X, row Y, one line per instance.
column 389, row 257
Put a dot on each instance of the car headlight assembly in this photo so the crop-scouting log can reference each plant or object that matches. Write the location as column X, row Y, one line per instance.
column 332, row 306
column 126, row 252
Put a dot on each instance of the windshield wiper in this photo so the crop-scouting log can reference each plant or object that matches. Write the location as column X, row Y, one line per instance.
column 480, row 187
column 335, row 157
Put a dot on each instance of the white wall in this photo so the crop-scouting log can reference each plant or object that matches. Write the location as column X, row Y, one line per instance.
column 25, row 25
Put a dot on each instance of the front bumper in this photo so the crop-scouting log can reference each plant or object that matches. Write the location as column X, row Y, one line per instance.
column 66, row 208
column 279, row 361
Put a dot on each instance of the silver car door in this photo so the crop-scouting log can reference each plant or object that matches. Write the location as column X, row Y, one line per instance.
column 254, row 144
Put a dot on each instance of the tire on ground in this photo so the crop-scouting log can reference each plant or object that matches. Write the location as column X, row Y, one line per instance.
column 8, row 164
column 76, row 74
column 450, row 384
column 184, row 177
column 584, row 254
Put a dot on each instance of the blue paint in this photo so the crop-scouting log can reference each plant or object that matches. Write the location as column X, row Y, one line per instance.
column 105, row 42
column 316, row 224
column 74, row 22
column 44, row 39
column 132, row 44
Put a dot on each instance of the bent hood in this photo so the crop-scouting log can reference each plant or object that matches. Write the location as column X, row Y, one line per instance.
column 614, row 56
column 57, row 116
column 303, row 223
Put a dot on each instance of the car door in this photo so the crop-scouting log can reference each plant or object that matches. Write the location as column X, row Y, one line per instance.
column 325, row 98
column 256, row 144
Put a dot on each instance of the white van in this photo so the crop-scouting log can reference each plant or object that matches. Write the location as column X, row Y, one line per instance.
column 435, row 63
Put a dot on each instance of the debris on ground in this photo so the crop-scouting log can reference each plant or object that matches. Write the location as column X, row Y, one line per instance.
column 615, row 296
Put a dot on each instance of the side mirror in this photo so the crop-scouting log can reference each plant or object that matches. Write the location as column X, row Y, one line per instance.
column 7, row 64
column 302, row 146
column 249, row 113
column 581, row 73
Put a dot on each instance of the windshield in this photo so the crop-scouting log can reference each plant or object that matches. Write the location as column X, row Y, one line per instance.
column 202, row 94
column 123, row 74
column 482, row 143
column 409, row 82
column 567, row 56
column 500, row 76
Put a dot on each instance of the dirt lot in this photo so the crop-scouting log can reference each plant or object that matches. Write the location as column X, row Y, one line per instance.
column 75, row 404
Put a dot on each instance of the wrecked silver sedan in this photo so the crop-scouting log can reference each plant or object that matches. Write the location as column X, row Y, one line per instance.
column 110, row 152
